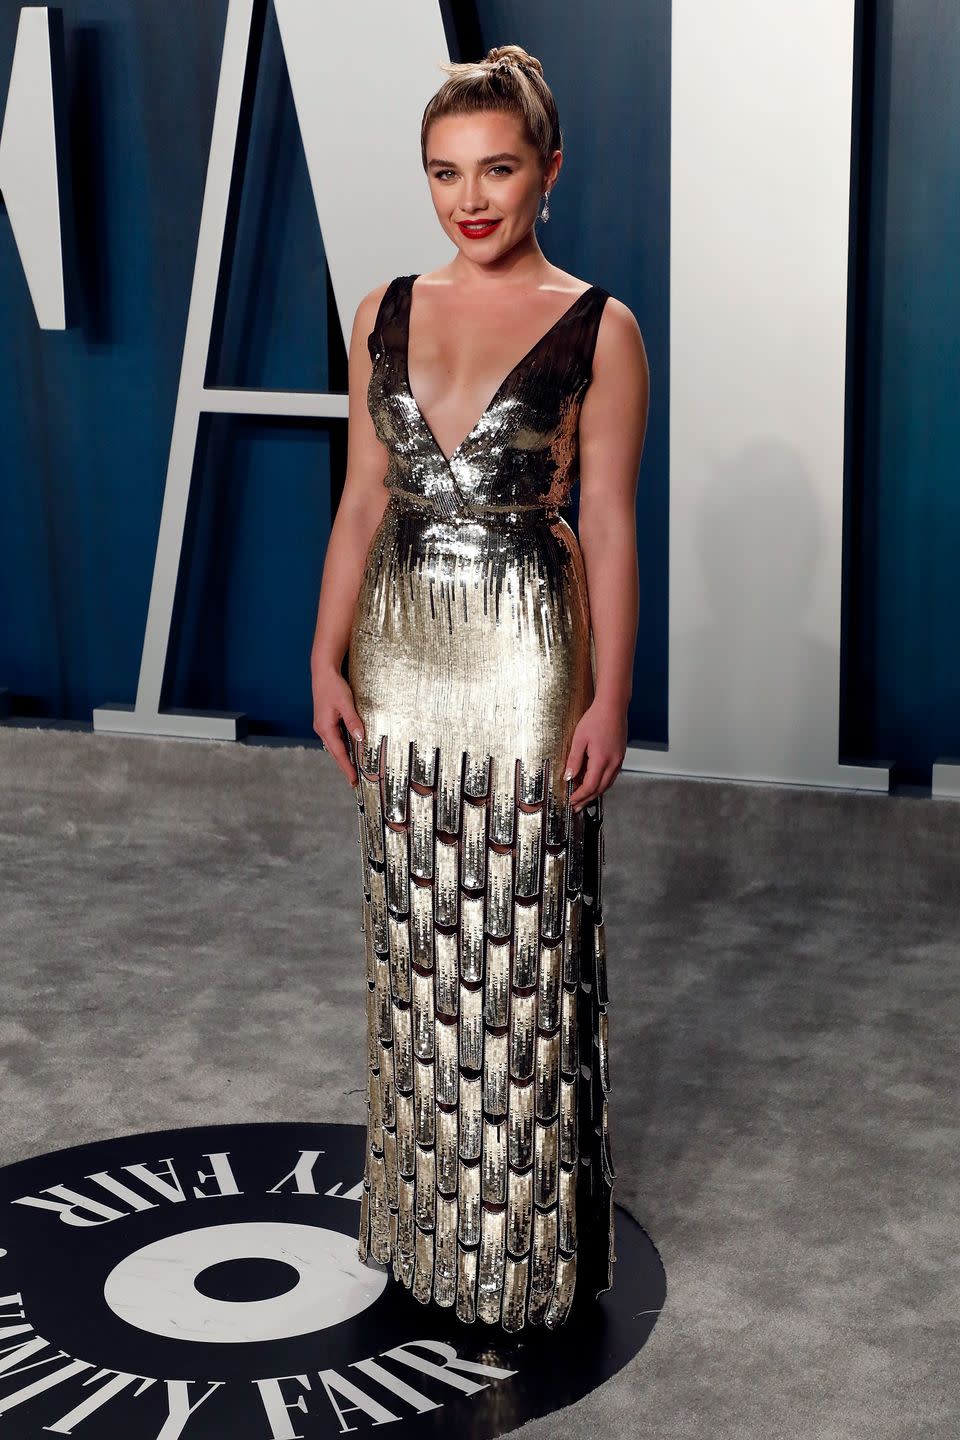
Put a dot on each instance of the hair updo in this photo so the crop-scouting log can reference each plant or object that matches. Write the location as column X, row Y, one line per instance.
column 507, row 78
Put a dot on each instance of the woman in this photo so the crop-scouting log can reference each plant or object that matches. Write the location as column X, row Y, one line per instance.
column 482, row 722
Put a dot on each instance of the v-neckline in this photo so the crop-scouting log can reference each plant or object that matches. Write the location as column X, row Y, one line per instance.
column 449, row 459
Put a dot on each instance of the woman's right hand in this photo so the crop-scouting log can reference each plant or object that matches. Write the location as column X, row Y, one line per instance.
column 333, row 702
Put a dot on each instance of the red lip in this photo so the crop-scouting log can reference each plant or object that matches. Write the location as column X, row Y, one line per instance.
column 477, row 232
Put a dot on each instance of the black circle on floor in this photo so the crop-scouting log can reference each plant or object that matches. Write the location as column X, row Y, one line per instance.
column 250, row 1278
column 211, row 1273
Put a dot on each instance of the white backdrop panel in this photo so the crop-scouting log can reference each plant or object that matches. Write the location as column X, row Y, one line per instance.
column 760, row 184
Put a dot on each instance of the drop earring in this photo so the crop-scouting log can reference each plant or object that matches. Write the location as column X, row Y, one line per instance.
column 545, row 212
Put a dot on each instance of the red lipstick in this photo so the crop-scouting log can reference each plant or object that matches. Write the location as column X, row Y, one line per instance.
column 477, row 232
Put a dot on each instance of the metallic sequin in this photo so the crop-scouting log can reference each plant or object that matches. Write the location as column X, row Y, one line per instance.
column 488, row 1172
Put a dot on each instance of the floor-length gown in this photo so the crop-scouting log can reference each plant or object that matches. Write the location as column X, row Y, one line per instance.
column 488, row 1179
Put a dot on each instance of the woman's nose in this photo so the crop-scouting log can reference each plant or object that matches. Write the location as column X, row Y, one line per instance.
column 473, row 197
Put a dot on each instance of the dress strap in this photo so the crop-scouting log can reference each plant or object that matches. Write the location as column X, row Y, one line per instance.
column 588, row 327
column 387, row 332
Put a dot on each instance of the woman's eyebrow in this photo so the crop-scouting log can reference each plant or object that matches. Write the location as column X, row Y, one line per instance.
column 484, row 160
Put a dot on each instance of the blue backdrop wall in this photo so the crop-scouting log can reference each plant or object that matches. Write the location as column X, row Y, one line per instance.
column 901, row 672
column 86, row 414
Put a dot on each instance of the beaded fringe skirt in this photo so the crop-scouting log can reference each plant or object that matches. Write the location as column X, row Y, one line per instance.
column 488, row 1174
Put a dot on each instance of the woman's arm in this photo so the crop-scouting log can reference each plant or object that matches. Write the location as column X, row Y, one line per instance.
column 613, row 425
column 360, row 511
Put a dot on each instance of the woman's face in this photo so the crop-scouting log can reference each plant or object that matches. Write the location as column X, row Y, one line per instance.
column 481, row 169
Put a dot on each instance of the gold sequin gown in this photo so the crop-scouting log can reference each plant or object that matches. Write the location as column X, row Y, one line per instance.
column 488, row 1179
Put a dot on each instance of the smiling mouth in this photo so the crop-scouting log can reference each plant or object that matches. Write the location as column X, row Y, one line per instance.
column 473, row 226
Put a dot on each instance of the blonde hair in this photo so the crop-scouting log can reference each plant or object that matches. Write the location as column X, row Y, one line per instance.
column 507, row 78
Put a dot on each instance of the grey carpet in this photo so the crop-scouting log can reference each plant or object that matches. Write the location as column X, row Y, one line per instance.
column 181, row 945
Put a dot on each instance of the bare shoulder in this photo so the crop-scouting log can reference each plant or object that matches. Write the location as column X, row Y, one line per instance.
column 618, row 324
column 619, row 338
column 441, row 279
column 566, row 284
column 369, row 305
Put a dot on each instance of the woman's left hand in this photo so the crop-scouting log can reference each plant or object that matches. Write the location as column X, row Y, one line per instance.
column 600, row 743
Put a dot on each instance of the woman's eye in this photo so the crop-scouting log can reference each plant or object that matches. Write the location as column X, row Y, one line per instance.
column 506, row 169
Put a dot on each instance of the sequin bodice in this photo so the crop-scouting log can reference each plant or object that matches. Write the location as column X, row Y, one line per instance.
column 522, row 451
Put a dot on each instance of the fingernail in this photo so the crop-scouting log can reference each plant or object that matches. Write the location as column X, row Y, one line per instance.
column 568, row 775
column 358, row 734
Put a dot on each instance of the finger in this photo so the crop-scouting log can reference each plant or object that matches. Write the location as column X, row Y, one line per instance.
column 334, row 742
column 353, row 723
column 606, row 781
column 575, row 759
column 355, row 728
column 589, row 785
column 616, row 768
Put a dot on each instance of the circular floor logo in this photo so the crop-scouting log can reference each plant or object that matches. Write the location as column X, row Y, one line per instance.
column 205, row 1283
